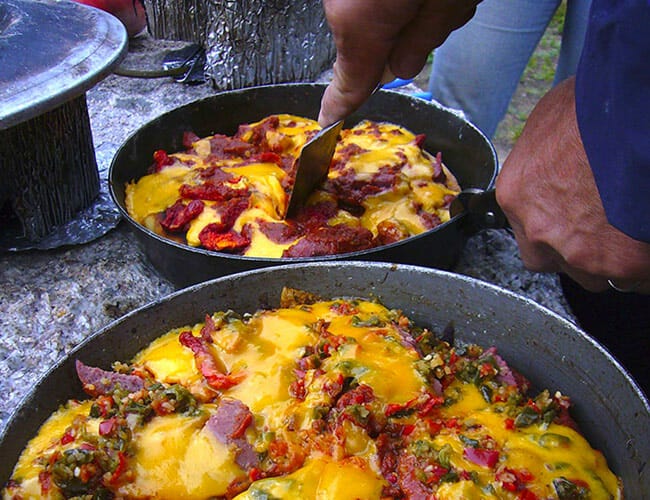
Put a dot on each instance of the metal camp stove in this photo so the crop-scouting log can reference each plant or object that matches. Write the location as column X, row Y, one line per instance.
column 51, row 52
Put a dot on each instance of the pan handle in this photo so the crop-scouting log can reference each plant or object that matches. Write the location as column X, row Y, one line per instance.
column 481, row 208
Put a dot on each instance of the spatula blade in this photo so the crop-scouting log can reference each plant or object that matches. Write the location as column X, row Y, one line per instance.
column 312, row 165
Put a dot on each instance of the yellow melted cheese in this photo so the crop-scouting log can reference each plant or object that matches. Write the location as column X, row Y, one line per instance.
column 383, row 144
column 176, row 456
column 547, row 452
column 319, row 479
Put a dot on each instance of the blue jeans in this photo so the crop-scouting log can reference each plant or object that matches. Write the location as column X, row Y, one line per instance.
column 478, row 67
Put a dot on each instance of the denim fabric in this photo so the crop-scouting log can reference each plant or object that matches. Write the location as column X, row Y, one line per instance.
column 478, row 67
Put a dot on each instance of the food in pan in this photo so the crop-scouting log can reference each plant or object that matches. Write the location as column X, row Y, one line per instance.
column 318, row 399
column 229, row 193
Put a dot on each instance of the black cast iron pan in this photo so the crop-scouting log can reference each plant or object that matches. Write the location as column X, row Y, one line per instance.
column 465, row 151
column 611, row 410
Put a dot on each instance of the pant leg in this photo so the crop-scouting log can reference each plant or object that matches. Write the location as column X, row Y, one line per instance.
column 478, row 67
column 619, row 321
column 573, row 37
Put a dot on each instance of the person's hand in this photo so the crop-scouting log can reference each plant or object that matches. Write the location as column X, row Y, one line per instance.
column 548, row 192
column 374, row 37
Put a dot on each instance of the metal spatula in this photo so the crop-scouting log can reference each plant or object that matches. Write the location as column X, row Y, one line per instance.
column 312, row 165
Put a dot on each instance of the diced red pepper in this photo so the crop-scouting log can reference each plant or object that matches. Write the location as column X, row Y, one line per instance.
column 45, row 478
column 434, row 426
column 241, row 428
column 530, row 403
column 255, row 474
column 161, row 159
column 297, row 389
column 68, row 437
column 407, row 429
column 452, row 423
column 486, row 369
column 119, row 470
column 105, row 404
column 431, row 403
column 509, row 423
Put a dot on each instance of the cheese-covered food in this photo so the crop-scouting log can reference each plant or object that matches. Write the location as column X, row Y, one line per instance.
column 337, row 399
column 230, row 193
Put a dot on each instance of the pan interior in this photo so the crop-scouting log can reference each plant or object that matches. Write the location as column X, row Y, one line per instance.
column 551, row 352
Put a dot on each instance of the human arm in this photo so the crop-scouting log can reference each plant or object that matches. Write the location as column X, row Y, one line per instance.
column 547, row 190
column 583, row 161
column 373, row 36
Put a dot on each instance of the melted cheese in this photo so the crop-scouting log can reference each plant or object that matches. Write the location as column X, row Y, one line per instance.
column 177, row 456
column 320, row 479
column 46, row 442
column 383, row 146
column 547, row 452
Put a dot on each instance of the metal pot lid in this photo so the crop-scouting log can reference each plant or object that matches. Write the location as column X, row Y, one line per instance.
column 52, row 51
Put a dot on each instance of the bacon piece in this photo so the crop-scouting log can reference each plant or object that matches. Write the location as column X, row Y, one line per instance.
column 278, row 232
column 189, row 138
column 438, row 172
column 207, row 364
column 390, row 231
column 361, row 394
column 212, row 238
column 344, row 154
column 219, row 236
column 160, row 160
column 316, row 215
column 223, row 147
column 420, row 140
column 230, row 211
column 97, row 382
column 258, row 135
column 407, row 478
column 179, row 215
column 209, row 328
column 211, row 191
column 430, row 220
column 331, row 240
column 229, row 424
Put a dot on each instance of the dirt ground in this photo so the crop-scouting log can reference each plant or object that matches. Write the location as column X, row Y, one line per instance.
column 535, row 82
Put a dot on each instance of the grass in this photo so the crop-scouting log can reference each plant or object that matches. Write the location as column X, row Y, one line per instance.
column 536, row 80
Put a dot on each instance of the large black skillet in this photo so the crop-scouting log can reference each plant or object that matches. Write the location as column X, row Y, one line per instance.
column 465, row 150
column 610, row 409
